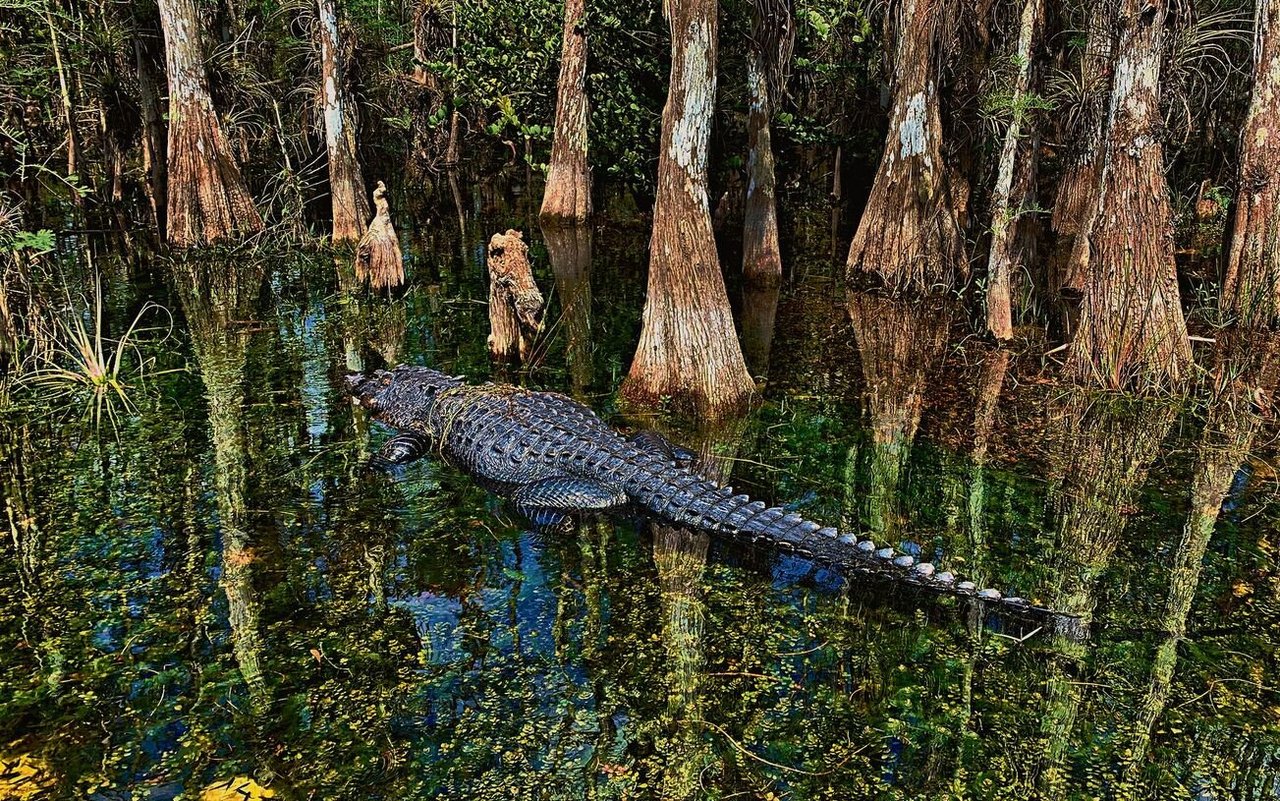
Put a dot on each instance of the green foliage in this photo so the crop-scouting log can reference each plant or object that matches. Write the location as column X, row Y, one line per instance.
column 35, row 243
column 100, row 373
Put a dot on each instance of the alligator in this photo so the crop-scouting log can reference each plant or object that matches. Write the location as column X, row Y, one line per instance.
column 554, row 458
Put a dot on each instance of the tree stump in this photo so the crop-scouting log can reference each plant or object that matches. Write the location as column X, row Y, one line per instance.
column 378, row 260
column 515, row 304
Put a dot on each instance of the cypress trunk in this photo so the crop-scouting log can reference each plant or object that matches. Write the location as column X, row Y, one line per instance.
column 1132, row 332
column 909, row 234
column 346, row 184
column 153, row 136
column 688, row 351
column 1000, row 264
column 1077, row 196
column 768, row 57
column 761, row 258
column 568, row 193
column 208, row 199
column 1252, row 286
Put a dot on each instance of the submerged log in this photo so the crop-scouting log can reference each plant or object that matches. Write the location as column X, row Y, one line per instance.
column 378, row 260
column 515, row 304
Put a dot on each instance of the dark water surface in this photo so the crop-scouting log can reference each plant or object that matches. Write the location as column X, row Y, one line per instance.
column 215, row 600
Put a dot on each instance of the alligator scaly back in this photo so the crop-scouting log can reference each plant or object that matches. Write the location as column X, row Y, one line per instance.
column 691, row 500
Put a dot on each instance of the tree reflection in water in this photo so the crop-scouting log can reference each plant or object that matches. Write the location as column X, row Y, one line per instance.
column 227, row 592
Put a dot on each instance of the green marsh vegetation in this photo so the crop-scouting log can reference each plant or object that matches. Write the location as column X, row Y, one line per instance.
column 1010, row 295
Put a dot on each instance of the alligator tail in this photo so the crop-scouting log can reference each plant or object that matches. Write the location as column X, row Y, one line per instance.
column 701, row 504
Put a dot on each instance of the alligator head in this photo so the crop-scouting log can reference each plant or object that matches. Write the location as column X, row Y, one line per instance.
column 402, row 397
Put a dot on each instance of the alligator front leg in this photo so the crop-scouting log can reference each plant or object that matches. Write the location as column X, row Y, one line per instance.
column 400, row 450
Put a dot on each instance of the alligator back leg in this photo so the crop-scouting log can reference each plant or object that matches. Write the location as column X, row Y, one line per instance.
column 654, row 442
column 548, row 502
column 400, row 450
column 565, row 494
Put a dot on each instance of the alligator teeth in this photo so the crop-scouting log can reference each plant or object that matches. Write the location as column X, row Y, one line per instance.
column 989, row 594
column 867, row 546
column 885, row 553
column 904, row 561
column 924, row 570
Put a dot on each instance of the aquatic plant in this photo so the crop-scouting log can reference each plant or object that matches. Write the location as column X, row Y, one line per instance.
column 101, row 372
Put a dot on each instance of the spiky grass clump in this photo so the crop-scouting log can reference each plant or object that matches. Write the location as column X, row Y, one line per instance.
column 102, row 373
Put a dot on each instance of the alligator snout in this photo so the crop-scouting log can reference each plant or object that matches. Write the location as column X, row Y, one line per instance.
column 364, row 387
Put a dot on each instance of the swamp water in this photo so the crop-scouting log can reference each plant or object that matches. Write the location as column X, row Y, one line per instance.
column 214, row 599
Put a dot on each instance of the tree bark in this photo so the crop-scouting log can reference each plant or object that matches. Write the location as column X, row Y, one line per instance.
column 567, row 198
column 1252, row 286
column 208, row 200
column 515, row 304
column 909, row 234
column 1000, row 264
column 346, row 184
column 688, row 351
column 768, row 59
column 569, row 249
column 153, row 136
column 1132, row 333
column 1077, row 196
column 761, row 257
column 378, row 258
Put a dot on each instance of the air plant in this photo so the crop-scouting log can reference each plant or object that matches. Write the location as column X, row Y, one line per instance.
column 105, row 372
column 1205, row 56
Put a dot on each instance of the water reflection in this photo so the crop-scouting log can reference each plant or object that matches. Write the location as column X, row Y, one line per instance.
column 1108, row 444
column 227, row 592
column 220, row 301
column 1244, row 380
column 900, row 344
column 680, row 557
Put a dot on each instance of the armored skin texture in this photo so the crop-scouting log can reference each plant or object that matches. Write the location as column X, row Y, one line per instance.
column 553, row 457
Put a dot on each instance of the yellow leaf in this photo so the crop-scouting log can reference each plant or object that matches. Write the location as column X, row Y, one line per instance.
column 240, row 788
column 23, row 777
